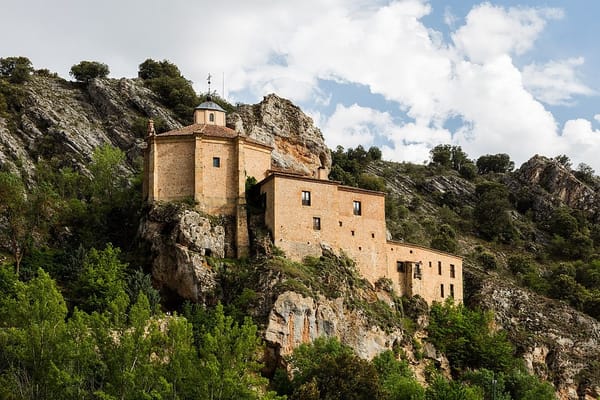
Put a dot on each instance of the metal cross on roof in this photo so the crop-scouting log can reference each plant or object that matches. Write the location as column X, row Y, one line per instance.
column 208, row 79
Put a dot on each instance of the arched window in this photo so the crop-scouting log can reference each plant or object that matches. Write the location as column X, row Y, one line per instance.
column 211, row 117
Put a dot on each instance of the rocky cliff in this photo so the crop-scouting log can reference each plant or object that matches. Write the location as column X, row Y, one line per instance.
column 557, row 343
column 64, row 121
column 298, row 144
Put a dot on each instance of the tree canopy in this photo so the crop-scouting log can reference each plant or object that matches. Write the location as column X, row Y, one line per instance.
column 85, row 71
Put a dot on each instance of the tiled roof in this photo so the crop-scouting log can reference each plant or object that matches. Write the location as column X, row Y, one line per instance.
column 210, row 131
column 203, row 129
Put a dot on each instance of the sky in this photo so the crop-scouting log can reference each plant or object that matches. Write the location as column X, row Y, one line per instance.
column 506, row 76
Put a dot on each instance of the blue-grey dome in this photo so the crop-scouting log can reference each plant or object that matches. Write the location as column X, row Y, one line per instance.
column 210, row 105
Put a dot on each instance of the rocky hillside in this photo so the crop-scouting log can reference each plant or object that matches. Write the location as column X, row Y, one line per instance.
column 63, row 122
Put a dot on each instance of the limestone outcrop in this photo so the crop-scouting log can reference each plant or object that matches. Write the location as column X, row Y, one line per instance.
column 66, row 121
column 298, row 144
column 557, row 343
column 295, row 319
column 560, row 185
column 180, row 240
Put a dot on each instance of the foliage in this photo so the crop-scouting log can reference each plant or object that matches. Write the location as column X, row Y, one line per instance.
column 397, row 379
column 86, row 71
column 499, row 163
column 15, row 233
column 173, row 90
column 329, row 370
column 101, row 280
column 445, row 239
column 126, row 352
column 452, row 157
column 465, row 337
column 229, row 353
column 491, row 212
column 348, row 167
column 16, row 70
column 442, row 389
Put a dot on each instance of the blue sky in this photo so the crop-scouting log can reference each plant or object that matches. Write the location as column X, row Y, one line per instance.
column 517, row 77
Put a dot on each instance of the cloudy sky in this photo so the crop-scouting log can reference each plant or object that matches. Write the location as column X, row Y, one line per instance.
column 506, row 76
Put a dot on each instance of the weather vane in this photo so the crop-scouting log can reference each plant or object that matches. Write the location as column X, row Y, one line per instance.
column 208, row 79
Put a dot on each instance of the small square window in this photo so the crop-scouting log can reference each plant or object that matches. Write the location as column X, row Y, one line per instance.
column 305, row 198
column 357, row 209
column 216, row 162
column 316, row 223
column 452, row 271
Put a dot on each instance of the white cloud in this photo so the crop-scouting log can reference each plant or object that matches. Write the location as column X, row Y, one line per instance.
column 597, row 117
column 556, row 82
column 292, row 47
column 355, row 125
column 491, row 31
column 581, row 142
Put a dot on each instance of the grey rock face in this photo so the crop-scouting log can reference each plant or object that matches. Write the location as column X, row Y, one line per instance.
column 298, row 144
column 181, row 240
column 295, row 319
column 557, row 343
column 560, row 183
column 69, row 120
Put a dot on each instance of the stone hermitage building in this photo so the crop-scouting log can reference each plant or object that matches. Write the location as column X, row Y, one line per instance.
column 209, row 163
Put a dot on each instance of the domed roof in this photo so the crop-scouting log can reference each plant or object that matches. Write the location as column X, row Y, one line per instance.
column 210, row 105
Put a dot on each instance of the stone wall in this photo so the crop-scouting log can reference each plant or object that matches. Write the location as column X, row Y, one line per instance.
column 362, row 237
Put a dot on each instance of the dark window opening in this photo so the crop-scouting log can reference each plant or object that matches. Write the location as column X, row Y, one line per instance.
column 373, row 235
column 359, row 248
column 357, row 209
column 216, row 162
column 352, row 233
column 429, row 264
column 211, row 117
column 305, row 198
column 451, row 290
column 452, row 271
column 316, row 223
column 207, row 252
column 442, row 290
column 400, row 266
column 440, row 269
column 340, row 223
column 417, row 271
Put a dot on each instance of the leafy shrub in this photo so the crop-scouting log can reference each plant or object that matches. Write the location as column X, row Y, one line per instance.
column 85, row 71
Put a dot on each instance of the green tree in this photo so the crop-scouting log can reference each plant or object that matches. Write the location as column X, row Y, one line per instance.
column 16, row 69
column 15, row 230
column 449, row 156
column 32, row 338
column 491, row 212
column 101, row 280
column 330, row 370
column 174, row 91
column 494, row 163
column 107, row 177
column 445, row 239
column 465, row 337
column 442, row 389
column 86, row 71
column 397, row 380
column 228, row 360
